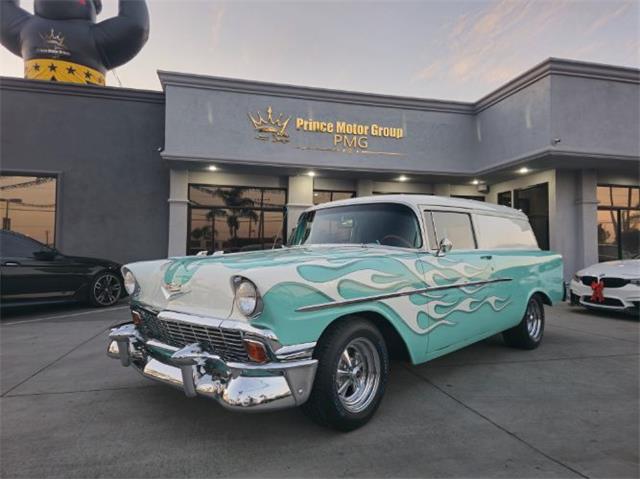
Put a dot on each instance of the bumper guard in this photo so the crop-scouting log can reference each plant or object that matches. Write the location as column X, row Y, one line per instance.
column 235, row 385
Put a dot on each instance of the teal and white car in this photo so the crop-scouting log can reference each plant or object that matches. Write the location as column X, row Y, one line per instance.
column 314, row 324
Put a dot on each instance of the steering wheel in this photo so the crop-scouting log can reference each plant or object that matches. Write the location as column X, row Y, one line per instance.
column 395, row 237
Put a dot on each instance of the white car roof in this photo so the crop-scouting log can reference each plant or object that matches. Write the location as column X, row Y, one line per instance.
column 419, row 201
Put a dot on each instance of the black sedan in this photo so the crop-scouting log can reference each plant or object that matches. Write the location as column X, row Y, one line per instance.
column 32, row 272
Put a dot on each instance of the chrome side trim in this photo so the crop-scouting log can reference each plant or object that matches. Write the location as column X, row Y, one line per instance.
column 384, row 296
column 293, row 352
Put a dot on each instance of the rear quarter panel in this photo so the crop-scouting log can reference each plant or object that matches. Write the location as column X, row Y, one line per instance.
column 530, row 271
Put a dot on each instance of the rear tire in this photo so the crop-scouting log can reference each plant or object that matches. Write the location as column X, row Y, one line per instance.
column 105, row 289
column 353, row 366
column 528, row 333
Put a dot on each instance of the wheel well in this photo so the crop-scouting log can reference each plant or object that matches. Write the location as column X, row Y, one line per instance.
column 544, row 297
column 395, row 344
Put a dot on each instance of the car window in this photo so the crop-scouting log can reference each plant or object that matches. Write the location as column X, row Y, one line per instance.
column 501, row 232
column 452, row 225
column 377, row 223
column 17, row 246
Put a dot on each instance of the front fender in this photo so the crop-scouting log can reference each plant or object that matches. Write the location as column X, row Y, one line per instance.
column 291, row 326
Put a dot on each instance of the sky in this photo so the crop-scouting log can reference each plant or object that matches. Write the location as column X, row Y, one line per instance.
column 451, row 50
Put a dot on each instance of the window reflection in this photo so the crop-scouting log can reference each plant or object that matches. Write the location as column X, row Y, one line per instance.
column 28, row 206
column 618, row 222
column 324, row 196
column 235, row 219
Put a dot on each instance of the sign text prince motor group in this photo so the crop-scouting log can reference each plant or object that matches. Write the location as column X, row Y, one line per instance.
column 349, row 135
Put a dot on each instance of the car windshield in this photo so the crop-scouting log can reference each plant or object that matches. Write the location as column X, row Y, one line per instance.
column 377, row 223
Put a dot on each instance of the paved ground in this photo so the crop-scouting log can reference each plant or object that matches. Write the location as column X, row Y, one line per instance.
column 568, row 409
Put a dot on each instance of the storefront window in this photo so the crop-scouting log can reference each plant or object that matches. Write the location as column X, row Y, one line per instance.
column 28, row 206
column 235, row 219
column 618, row 222
column 504, row 198
column 324, row 196
column 534, row 202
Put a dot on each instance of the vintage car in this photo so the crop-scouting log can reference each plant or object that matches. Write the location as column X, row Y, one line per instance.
column 314, row 324
column 613, row 286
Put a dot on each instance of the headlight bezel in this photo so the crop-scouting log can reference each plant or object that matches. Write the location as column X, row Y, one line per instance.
column 247, row 298
column 130, row 282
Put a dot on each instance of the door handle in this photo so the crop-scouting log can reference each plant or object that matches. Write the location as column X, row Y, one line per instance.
column 11, row 264
column 486, row 257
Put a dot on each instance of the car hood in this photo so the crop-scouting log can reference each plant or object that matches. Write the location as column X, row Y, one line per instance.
column 616, row 268
column 203, row 284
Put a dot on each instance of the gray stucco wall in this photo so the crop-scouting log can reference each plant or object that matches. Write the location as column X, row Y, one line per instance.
column 211, row 124
column 103, row 143
column 596, row 116
column 591, row 108
column 515, row 127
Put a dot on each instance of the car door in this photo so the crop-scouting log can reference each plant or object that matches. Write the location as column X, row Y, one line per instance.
column 30, row 271
column 459, row 314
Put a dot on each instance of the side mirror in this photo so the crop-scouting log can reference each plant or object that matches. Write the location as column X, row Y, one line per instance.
column 444, row 247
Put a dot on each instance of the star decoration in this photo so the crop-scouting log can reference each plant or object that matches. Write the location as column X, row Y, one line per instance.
column 71, row 70
column 36, row 67
column 53, row 68
column 87, row 75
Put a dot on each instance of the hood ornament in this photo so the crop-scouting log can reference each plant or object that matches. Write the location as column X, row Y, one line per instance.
column 173, row 290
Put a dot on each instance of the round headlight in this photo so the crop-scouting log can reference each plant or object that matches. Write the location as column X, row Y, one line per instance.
column 130, row 284
column 247, row 297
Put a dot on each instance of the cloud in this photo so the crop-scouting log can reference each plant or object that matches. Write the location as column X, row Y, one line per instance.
column 605, row 19
column 428, row 72
column 487, row 47
column 216, row 26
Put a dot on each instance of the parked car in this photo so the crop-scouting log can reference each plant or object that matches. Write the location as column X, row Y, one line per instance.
column 610, row 286
column 32, row 272
column 314, row 324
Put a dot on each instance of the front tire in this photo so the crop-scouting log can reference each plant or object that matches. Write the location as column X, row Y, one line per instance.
column 528, row 333
column 353, row 366
column 105, row 289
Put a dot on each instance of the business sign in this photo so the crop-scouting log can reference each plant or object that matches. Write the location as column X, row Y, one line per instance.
column 342, row 136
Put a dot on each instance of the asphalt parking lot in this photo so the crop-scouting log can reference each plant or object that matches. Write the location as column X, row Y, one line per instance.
column 567, row 409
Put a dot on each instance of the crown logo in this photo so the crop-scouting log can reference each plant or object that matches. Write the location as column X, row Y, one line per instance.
column 270, row 127
column 52, row 38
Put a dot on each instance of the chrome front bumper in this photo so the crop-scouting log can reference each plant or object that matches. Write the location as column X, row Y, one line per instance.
column 236, row 386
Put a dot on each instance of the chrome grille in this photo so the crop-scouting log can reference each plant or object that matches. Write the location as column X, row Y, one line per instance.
column 220, row 341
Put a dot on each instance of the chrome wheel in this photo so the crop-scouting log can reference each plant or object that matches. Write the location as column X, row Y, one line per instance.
column 107, row 289
column 534, row 320
column 358, row 375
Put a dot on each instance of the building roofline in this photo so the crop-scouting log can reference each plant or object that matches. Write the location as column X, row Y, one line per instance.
column 308, row 93
column 115, row 93
column 551, row 66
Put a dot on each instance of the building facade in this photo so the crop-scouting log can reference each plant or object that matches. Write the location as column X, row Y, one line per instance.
column 220, row 164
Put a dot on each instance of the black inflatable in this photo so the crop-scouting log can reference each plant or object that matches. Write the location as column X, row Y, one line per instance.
column 62, row 42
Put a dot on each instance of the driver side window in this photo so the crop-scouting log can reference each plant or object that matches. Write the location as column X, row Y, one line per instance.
column 18, row 246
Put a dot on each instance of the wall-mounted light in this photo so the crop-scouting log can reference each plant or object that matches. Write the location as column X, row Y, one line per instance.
column 403, row 178
column 212, row 168
column 475, row 181
column 311, row 173
column 523, row 170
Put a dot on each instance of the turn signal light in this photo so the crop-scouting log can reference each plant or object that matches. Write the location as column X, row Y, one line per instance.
column 137, row 318
column 256, row 351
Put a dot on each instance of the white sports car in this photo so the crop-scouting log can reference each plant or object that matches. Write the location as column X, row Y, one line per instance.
column 609, row 285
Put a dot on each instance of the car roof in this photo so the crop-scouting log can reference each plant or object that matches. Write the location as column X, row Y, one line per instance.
column 18, row 234
column 428, row 201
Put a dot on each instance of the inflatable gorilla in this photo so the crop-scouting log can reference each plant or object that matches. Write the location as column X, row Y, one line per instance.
column 62, row 42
